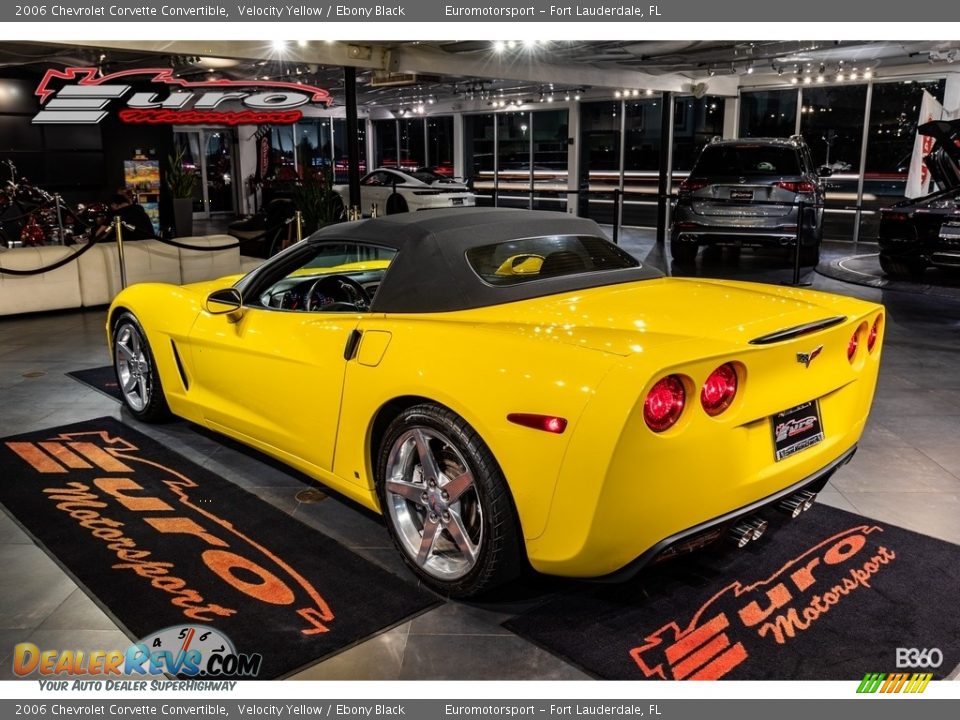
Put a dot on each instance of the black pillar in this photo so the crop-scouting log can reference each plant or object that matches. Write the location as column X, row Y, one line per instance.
column 663, row 202
column 353, row 141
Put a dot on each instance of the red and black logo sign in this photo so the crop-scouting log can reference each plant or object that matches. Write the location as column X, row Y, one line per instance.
column 82, row 96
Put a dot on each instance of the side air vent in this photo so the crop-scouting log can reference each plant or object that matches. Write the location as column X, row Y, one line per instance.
column 183, row 373
column 798, row 331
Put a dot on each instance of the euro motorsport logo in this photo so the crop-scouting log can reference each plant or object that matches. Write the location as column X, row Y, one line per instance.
column 185, row 650
column 81, row 96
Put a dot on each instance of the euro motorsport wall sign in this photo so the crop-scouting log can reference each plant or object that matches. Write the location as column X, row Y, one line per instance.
column 155, row 96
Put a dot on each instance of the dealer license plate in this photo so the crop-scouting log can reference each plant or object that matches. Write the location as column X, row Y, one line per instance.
column 796, row 429
column 741, row 194
column 950, row 232
column 456, row 201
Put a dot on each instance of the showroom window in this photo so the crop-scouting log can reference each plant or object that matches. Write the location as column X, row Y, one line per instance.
column 769, row 113
column 340, row 152
column 600, row 132
column 321, row 144
column 518, row 159
column 641, row 161
column 479, row 154
column 831, row 121
column 405, row 142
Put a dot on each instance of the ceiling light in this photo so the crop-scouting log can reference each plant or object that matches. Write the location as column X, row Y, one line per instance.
column 749, row 69
column 529, row 44
column 302, row 43
column 616, row 93
column 649, row 92
column 868, row 74
column 794, row 80
column 577, row 97
column 279, row 45
column 820, row 78
column 807, row 80
column 498, row 46
column 511, row 44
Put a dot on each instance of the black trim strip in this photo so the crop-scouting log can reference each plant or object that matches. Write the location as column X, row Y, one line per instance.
column 798, row 330
column 183, row 373
column 635, row 566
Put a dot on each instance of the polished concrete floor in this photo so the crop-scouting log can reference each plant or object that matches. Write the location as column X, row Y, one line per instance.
column 907, row 472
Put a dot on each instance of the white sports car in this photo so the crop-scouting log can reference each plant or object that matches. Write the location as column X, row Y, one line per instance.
column 396, row 191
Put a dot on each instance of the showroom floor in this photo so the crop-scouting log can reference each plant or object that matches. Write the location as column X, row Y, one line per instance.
column 907, row 472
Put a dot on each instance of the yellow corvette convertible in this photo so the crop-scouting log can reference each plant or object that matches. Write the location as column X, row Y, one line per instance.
column 508, row 387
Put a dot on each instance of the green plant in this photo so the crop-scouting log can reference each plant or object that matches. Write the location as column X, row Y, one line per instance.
column 179, row 180
column 317, row 201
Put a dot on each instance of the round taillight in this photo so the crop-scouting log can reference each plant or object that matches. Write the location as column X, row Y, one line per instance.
column 719, row 390
column 853, row 345
column 874, row 333
column 664, row 403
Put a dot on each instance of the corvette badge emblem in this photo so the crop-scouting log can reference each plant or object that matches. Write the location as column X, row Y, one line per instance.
column 805, row 358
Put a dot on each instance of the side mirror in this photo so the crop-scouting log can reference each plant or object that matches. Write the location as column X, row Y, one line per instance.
column 224, row 302
column 824, row 171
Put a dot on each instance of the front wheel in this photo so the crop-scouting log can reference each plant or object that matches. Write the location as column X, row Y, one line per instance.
column 446, row 503
column 136, row 371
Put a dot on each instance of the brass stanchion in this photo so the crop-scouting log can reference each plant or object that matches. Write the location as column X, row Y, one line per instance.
column 118, row 236
column 57, row 201
column 299, row 225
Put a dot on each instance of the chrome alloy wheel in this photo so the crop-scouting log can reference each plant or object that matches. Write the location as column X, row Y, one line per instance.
column 133, row 367
column 433, row 504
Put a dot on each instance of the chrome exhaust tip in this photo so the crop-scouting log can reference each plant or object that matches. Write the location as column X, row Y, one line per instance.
column 759, row 528
column 741, row 534
column 799, row 503
column 809, row 498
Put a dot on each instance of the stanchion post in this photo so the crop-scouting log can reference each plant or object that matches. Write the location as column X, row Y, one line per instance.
column 299, row 225
column 57, row 201
column 796, row 255
column 616, row 216
column 118, row 236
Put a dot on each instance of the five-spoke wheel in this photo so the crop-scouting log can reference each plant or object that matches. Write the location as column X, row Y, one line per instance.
column 136, row 372
column 446, row 502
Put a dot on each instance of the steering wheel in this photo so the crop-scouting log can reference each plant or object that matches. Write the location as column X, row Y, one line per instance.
column 336, row 293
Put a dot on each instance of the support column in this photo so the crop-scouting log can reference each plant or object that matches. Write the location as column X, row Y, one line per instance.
column 353, row 149
column 666, row 165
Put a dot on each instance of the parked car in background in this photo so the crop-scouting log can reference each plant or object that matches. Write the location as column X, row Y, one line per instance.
column 397, row 191
column 746, row 193
column 920, row 232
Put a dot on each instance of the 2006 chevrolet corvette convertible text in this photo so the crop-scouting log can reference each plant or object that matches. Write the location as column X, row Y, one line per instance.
column 507, row 386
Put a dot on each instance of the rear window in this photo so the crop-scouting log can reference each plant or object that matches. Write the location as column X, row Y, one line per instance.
column 747, row 160
column 518, row 261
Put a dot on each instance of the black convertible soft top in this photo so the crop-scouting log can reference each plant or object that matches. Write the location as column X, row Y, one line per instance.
column 430, row 272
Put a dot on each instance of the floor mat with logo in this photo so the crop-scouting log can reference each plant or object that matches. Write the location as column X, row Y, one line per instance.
column 166, row 545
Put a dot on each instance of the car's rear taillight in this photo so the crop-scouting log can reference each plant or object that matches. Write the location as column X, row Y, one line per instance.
column 796, row 187
column 664, row 403
column 874, row 334
column 688, row 186
column 854, row 343
column 719, row 390
column 894, row 216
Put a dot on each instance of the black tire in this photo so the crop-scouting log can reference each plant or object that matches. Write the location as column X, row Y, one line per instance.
column 902, row 268
column 153, row 408
column 484, row 511
column 396, row 204
column 683, row 252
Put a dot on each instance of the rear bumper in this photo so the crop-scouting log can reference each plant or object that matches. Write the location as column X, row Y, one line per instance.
column 743, row 230
column 712, row 530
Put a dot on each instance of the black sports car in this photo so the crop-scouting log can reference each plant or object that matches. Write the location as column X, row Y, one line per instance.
column 920, row 232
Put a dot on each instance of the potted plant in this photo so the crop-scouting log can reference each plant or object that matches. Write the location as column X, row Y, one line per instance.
column 181, row 181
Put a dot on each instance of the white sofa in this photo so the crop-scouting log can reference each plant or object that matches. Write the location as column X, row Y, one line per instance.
column 94, row 278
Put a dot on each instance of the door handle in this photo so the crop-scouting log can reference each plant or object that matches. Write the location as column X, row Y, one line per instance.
column 353, row 342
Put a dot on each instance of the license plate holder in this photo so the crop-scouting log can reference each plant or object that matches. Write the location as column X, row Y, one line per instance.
column 456, row 201
column 949, row 231
column 741, row 194
column 796, row 429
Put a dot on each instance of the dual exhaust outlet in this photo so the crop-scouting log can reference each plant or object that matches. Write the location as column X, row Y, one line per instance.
column 751, row 529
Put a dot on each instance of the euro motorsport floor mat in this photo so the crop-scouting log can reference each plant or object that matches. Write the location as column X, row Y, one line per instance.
column 188, row 561
column 829, row 596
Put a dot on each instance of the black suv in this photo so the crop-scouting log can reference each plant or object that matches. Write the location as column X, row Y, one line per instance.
column 745, row 193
